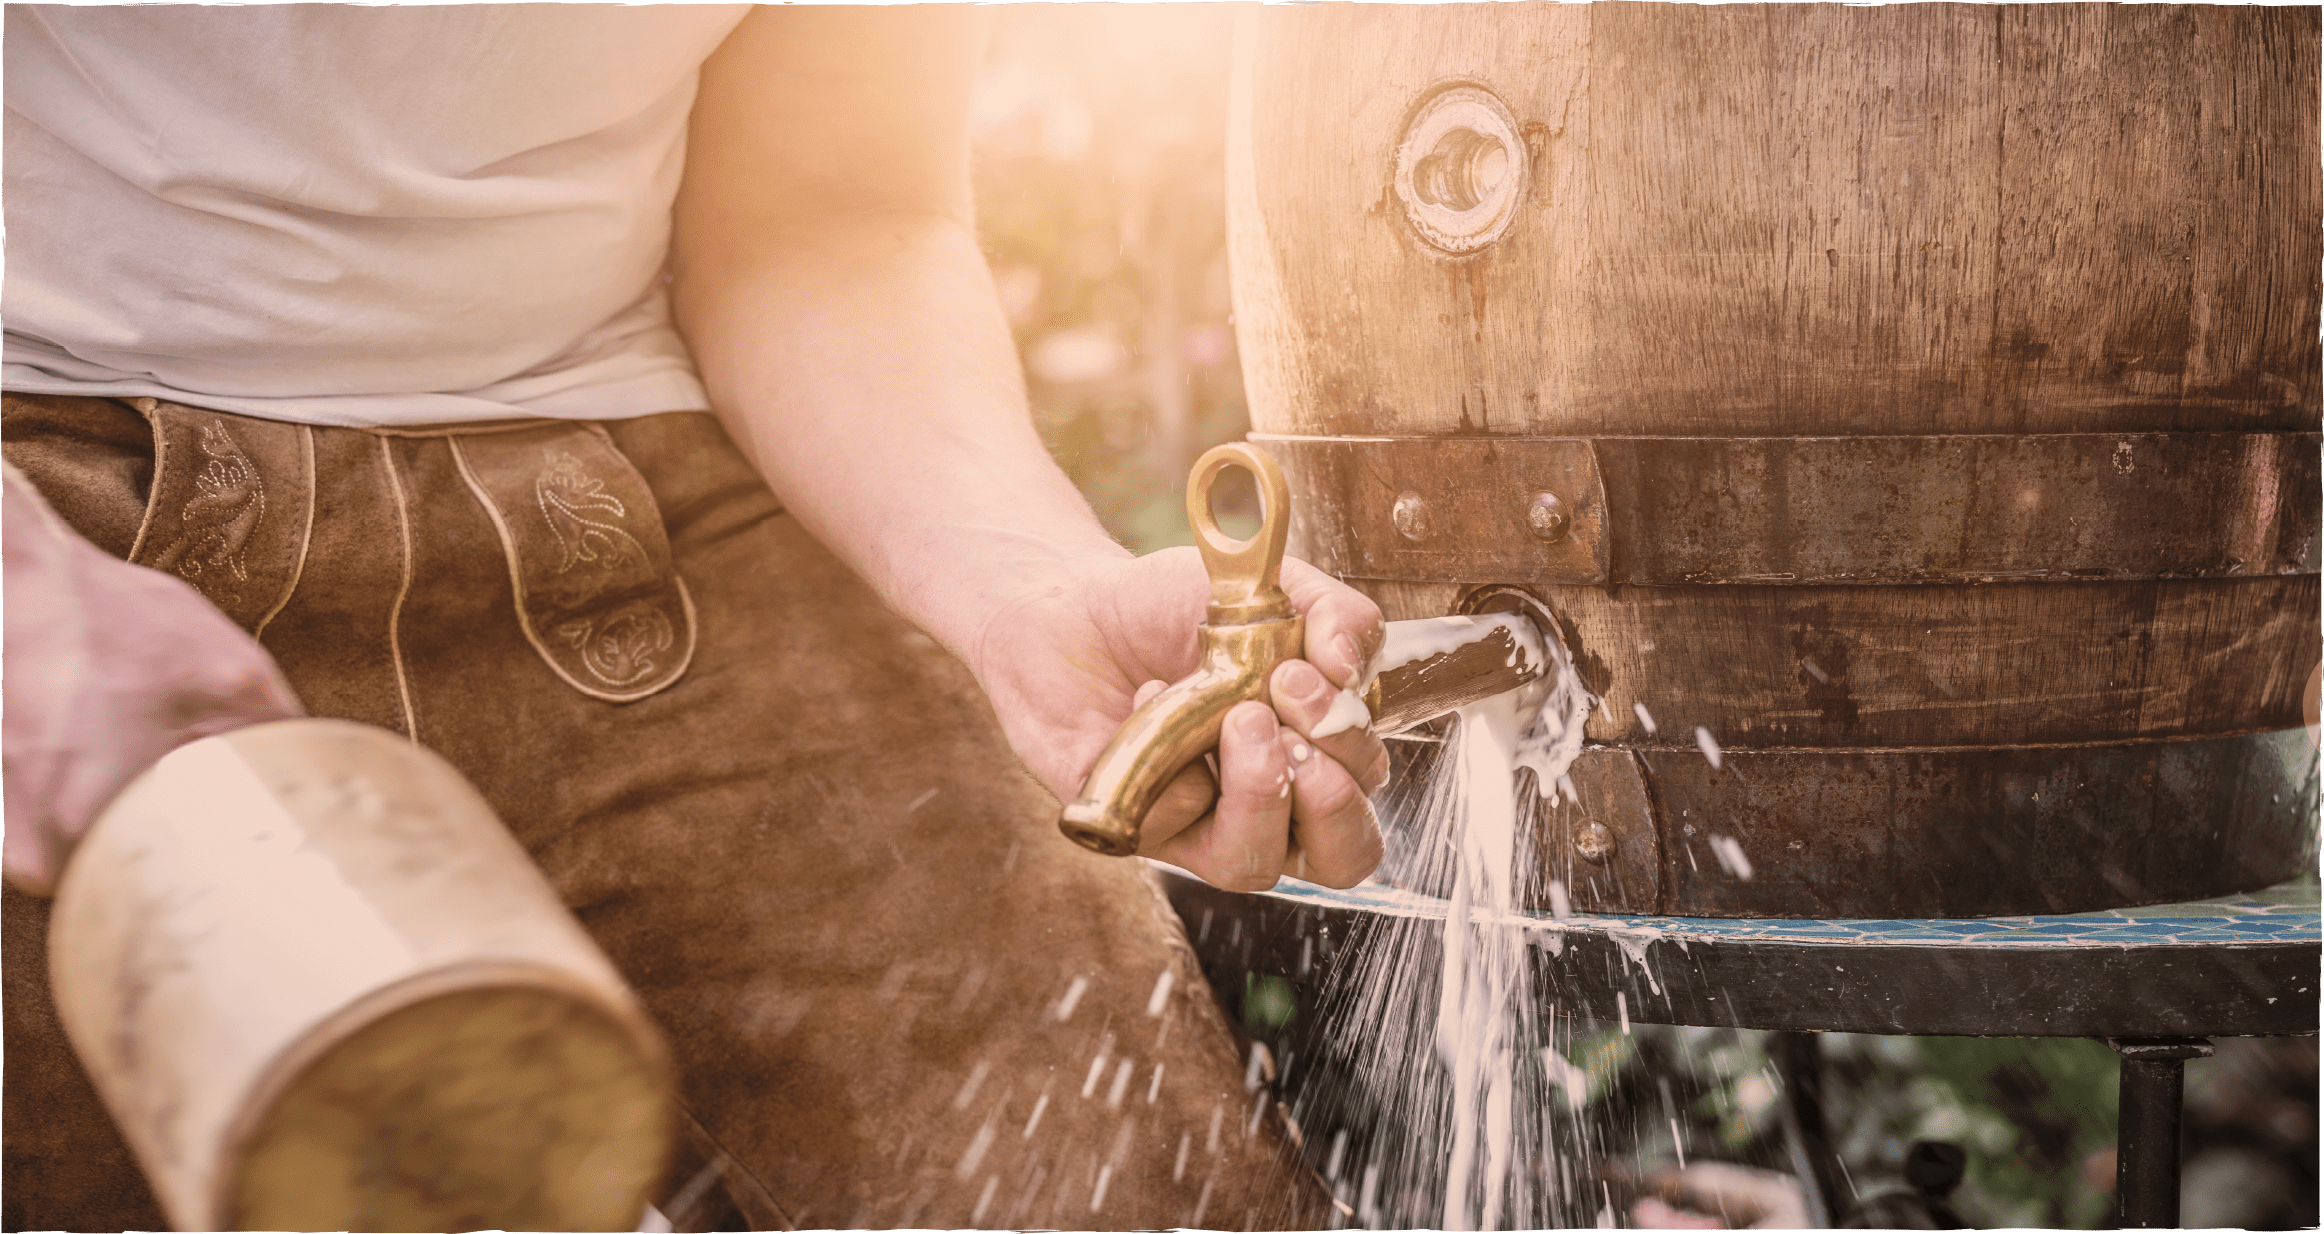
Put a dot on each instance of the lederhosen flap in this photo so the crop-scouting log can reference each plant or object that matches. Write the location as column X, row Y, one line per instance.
column 596, row 591
column 233, row 503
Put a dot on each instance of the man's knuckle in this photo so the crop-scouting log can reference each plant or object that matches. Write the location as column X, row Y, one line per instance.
column 1333, row 798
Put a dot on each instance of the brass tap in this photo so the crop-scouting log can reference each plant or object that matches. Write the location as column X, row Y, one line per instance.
column 1449, row 661
column 1251, row 628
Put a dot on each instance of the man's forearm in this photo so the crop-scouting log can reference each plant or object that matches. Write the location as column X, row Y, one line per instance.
column 828, row 279
column 863, row 363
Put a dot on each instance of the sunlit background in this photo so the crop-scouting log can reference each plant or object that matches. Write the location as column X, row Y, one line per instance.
column 1100, row 132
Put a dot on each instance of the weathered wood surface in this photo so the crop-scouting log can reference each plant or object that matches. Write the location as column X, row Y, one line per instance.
column 1924, row 223
column 1792, row 219
column 1982, row 832
column 1929, row 666
column 1890, row 833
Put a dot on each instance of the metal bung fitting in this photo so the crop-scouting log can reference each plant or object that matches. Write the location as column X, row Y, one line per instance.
column 1594, row 842
column 1410, row 514
column 1461, row 169
column 1545, row 517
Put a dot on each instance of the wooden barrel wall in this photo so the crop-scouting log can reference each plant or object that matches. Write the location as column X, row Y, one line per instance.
column 1923, row 400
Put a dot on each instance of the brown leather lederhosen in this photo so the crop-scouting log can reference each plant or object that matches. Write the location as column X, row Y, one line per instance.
column 788, row 816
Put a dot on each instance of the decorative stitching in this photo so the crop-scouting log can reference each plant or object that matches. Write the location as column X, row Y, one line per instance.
column 641, row 642
column 306, row 537
column 564, row 490
column 220, row 517
column 403, row 523
column 618, row 648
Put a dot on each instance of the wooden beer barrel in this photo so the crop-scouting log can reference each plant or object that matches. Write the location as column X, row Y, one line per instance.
column 1922, row 400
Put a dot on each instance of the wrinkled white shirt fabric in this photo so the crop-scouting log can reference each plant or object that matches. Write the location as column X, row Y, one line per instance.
column 351, row 215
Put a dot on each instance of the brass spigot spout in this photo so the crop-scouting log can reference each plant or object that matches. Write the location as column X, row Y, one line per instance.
column 1251, row 629
column 1173, row 729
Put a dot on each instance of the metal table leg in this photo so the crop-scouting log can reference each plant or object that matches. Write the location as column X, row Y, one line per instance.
column 2146, row 1162
column 1799, row 1060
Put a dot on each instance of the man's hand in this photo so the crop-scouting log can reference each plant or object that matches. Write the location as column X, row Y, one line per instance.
column 1713, row 1195
column 826, row 274
column 1065, row 665
column 110, row 666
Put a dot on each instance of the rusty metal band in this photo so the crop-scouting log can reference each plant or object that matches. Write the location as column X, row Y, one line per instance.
column 1805, row 510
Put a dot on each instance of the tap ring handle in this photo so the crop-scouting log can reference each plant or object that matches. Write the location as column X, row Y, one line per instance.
column 1243, row 573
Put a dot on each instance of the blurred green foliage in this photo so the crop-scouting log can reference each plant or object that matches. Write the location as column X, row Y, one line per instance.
column 2030, row 1111
column 1269, row 1003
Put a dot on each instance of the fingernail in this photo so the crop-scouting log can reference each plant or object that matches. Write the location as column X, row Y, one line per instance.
column 1299, row 751
column 1299, row 680
column 1343, row 649
column 1257, row 726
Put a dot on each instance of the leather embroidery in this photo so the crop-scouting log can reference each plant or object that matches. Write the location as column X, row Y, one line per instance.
column 228, row 505
column 620, row 647
column 215, row 520
column 596, row 591
column 568, row 496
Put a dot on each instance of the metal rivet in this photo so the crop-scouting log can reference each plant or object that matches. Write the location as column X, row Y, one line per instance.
column 1410, row 516
column 1594, row 842
column 1545, row 517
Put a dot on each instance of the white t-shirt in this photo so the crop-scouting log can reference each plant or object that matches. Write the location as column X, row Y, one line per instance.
column 343, row 214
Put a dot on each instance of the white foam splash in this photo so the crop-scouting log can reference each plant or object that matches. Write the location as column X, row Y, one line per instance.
column 1072, row 998
column 975, row 1081
column 1552, row 739
column 1160, row 999
column 1483, row 969
column 1486, row 976
column 1347, row 711
column 1472, row 1111
column 1573, row 1080
column 973, row 1156
column 1633, row 944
